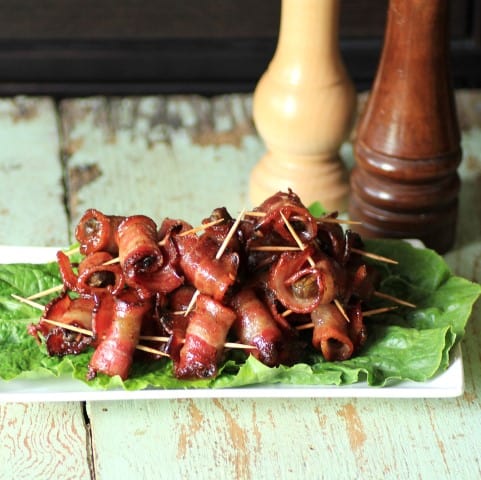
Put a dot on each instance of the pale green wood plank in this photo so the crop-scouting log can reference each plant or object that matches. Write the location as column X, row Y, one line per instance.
column 343, row 438
column 160, row 156
column 31, row 193
column 37, row 440
column 289, row 439
column 43, row 441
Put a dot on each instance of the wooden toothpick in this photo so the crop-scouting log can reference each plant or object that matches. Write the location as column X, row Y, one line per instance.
column 191, row 303
column 199, row 228
column 274, row 248
column 218, row 255
column 374, row 256
column 305, row 326
column 321, row 219
column 67, row 326
column 74, row 328
column 48, row 291
column 154, row 338
column 339, row 220
column 28, row 301
column 255, row 214
column 337, row 303
column 367, row 313
column 229, row 235
column 385, row 296
column 145, row 348
column 311, row 261
column 377, row 311
column 296, row 237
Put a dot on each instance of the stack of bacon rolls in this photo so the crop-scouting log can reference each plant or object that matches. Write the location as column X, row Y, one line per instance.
column 261, row 280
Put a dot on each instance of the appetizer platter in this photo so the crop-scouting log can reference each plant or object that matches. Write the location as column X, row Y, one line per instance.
column 280, row 301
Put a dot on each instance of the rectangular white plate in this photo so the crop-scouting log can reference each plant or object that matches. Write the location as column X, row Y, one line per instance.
column 449, row 383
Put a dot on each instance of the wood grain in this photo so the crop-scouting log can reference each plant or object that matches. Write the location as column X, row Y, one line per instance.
column 159, row 156
column 37, row 440
column 303, row 108
column 261, row 439
column 405, row 183
column 31, row 191
column 290, row 439
column 138, row 146
column 43, row 441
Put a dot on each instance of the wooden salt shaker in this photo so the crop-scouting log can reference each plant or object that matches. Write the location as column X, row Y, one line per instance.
column 303, row 108
column 407, row 148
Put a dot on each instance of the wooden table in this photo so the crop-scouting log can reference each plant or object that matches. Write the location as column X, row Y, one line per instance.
column 181, row 157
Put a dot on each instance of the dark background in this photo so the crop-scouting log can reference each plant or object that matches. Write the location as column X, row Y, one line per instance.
column 80, row 47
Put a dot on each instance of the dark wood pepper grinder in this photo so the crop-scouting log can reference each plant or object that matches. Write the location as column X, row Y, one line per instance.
column 407, row 147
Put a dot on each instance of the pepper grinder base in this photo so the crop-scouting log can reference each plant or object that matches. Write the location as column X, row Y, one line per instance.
column 315, row 176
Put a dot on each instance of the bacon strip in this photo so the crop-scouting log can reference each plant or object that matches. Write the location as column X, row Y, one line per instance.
column 202, row 269
column 204, row 340
column 290, row 205
column 357, row 328
column 76, row 312
column 69, row 279
column 263, row 293
column 336, row 243
column 114, row 354
column 362, row 282
column 330, row 334
column 94, row 277
column 96, row 231
column 139, row 252
column 295, row 283
column 175, row 321
column 255, row 326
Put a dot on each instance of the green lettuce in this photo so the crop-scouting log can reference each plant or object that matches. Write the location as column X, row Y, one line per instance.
column 405, row 344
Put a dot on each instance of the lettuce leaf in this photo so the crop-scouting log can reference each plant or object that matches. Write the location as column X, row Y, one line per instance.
column 409, row 344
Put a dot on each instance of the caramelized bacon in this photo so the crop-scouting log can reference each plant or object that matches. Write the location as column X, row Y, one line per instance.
column 357, row 328
column 139, row 252
column 290, row 205
column 114, row 354
column 202, row 269
column 295, row 283
column 219, row 231
column 254, row 286
column 362, row 282
column 96, row 231
column 175, row 322
column 60, row 341
column 336, row 243
column 330, row 334
column 204, row 339
column 255, row 326
column 96, row 278
column 164, row 280
column 333, row 335
column 69, row 278
column 102, row 318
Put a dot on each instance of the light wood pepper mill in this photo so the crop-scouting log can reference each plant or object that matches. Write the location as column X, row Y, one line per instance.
column 303, row 107
column 407, row 146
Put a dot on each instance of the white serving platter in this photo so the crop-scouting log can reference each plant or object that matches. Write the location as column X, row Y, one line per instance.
column 449, row 383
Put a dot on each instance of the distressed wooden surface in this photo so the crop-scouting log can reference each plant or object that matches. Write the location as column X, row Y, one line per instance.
column 36, row 440
column 181, row 157
column 31, row 191
column 175, row 156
